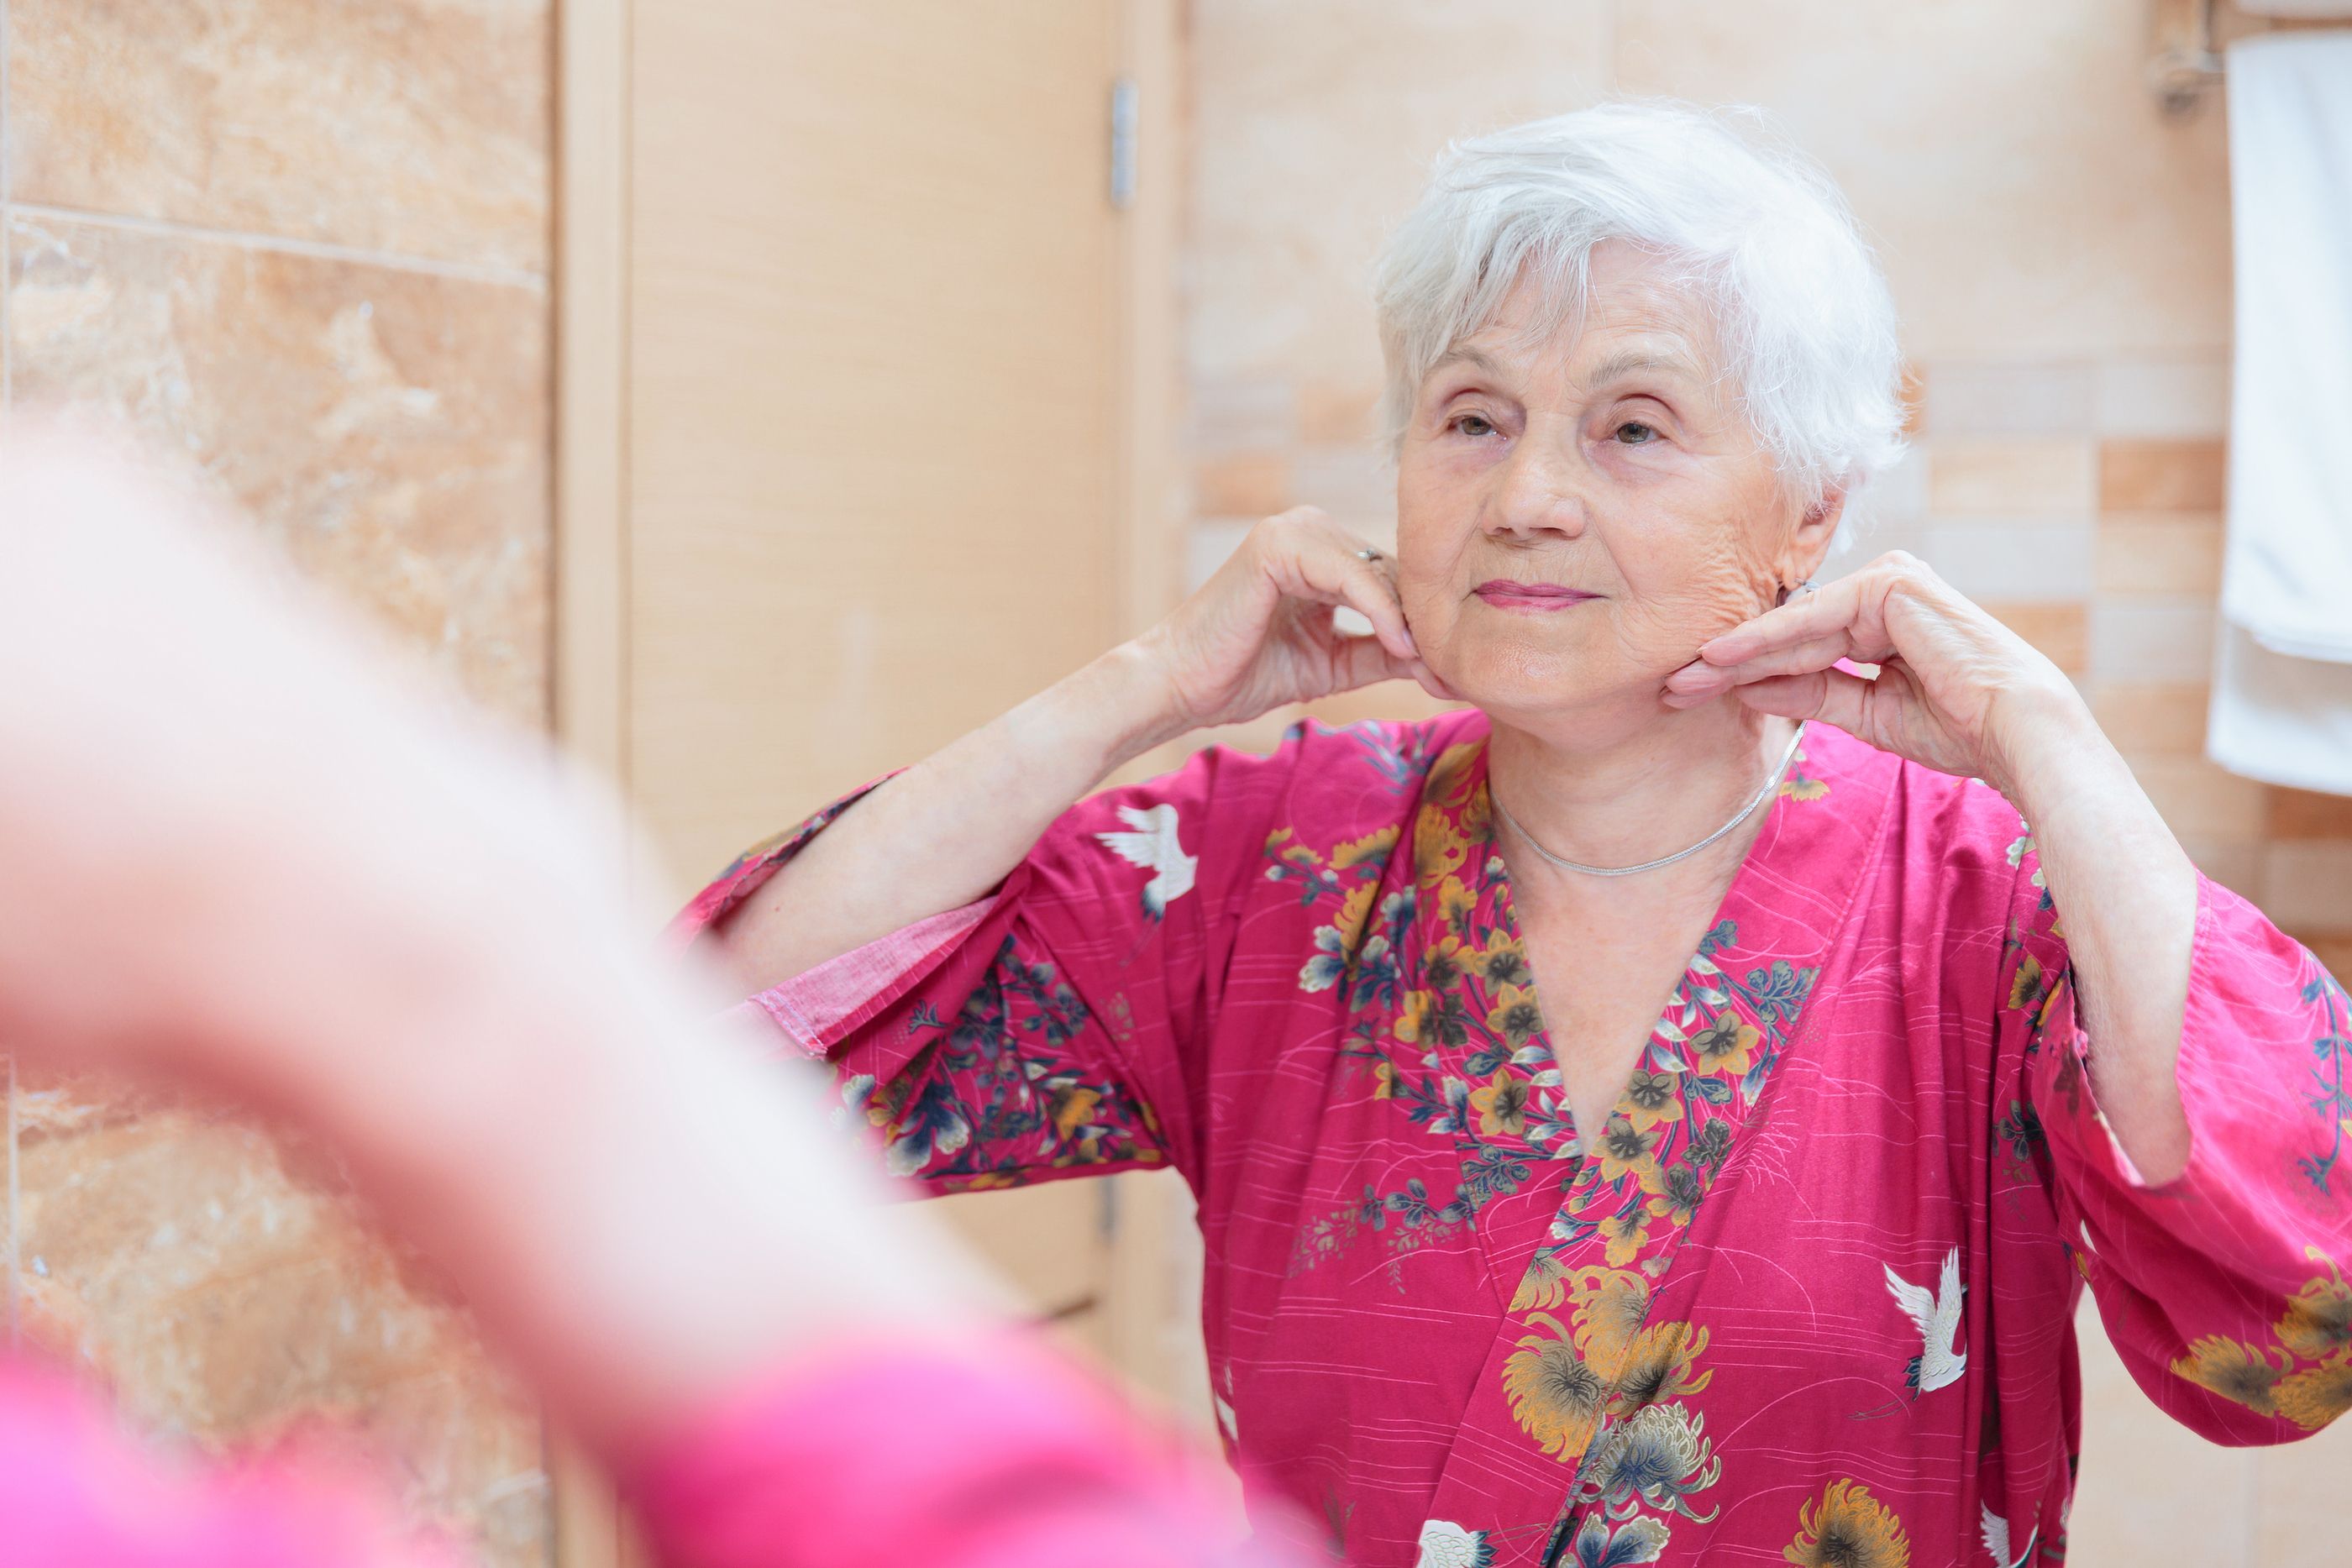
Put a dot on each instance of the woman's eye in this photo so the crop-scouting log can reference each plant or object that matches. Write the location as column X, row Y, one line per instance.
column 1474, row 424
column 1634, row 433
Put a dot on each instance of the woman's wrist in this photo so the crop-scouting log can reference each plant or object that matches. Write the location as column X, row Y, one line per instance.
column 2041, row 736
column 1126, row 700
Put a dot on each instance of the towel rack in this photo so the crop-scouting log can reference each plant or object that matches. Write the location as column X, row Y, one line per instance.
column 2181, row 75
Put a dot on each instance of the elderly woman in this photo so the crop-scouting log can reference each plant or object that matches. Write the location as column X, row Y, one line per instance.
column 1669, row 1111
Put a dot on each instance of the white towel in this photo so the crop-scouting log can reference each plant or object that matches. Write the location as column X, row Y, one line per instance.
column 2287, row 594
column 2280, row 719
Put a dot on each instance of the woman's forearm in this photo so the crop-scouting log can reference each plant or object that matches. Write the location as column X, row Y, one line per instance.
column 948, row 830
column 1257, row 635
column 2126, row 894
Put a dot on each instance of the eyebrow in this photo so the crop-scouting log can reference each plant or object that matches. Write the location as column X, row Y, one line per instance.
column 1462, row 354
column 1617, row 366
column 1627, row 362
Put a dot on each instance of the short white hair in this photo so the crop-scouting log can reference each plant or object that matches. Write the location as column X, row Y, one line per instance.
column 1763, row 235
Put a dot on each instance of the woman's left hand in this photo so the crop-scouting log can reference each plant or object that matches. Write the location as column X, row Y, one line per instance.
column 1955, row 691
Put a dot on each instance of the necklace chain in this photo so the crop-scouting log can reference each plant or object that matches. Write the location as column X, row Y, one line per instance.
column 1771, row 784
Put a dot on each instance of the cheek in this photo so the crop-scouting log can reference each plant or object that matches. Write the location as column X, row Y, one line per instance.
column 1437, row 499
column 1697, row 580
column 1435, row 522
column 1430, row 608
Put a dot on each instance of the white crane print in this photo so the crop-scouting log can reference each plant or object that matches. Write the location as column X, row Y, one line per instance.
column 1996, row 1540
column 1153, row 846
column 1445, row 1544
column 1938, row 1319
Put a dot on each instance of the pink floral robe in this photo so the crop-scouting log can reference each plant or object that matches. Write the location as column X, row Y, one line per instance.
column 1810, row 1298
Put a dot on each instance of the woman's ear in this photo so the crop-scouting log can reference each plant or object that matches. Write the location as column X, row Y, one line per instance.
column 1808, row 541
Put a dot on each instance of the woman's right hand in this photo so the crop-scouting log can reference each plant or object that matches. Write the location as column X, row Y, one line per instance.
column 1259, row 634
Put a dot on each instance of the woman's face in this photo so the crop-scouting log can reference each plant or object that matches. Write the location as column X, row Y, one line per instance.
column 1577, row 513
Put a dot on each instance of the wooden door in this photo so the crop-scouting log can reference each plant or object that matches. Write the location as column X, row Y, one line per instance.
column 874, row 455
column 873, row 351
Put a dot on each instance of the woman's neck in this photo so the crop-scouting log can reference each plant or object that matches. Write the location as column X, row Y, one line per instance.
column 1667, row 785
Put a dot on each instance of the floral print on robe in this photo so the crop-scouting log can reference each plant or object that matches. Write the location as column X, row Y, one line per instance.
column 1808, row 1295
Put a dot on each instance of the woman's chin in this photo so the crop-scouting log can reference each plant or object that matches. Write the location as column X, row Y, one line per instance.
column 1526, row 690
column 1545, row 690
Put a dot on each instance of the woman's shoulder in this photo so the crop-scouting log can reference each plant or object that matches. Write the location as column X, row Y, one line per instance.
column 1390, row 758
column 1322, row 784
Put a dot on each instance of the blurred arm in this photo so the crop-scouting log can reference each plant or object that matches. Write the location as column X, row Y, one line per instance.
column 242, row 855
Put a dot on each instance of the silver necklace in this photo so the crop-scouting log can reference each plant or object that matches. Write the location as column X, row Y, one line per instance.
column 1746, row 812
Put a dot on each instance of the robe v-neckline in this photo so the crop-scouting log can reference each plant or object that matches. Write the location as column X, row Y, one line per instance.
column 1579, row 1353
column 1582, row 1144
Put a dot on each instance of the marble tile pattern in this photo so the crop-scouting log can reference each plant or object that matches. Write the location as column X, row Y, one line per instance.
column 2059, row 254
column 387, row 427
column 303, row 248
column 418, row 126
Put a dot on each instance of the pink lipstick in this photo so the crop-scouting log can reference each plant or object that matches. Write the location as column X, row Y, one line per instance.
column 1535, row 598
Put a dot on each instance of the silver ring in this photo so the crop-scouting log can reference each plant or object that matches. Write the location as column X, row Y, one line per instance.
column 1368, row 555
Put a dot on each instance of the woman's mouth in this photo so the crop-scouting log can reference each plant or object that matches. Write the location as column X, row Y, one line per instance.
column 1538, row 597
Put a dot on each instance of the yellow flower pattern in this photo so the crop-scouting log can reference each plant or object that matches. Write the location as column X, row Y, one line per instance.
column 1728, row 1045
column 1557, row 1395
column 2318, row 1321
column 1502, row 1104
column 1565, row 1378
column 1847, row 1527
column 1610, row 1306
column 1515, row 1016
column 2305, row 1375
column 1625, row 1231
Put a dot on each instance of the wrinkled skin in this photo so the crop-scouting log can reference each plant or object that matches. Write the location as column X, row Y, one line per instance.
column 1606, row 453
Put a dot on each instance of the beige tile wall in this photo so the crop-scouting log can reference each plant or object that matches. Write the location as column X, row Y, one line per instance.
column 2059, row 255
column 306, row 246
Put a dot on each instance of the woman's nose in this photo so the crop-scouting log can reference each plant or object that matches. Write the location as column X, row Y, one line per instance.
column 1541, row 495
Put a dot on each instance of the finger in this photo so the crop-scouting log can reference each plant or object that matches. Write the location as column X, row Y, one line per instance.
column 1832, row 696
column 1364, row 662
column 1348, row 579
column 1826, row 612
column 1818, row 614
column 1378, row 572
column 1700, row 679
column 1434, row 684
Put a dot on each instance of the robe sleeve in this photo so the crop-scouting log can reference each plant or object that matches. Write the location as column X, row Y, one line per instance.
column 2223, row 1290
column 76, row 1491
column 1048, row 1029
column 992, row 1453
column 995, row 1455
